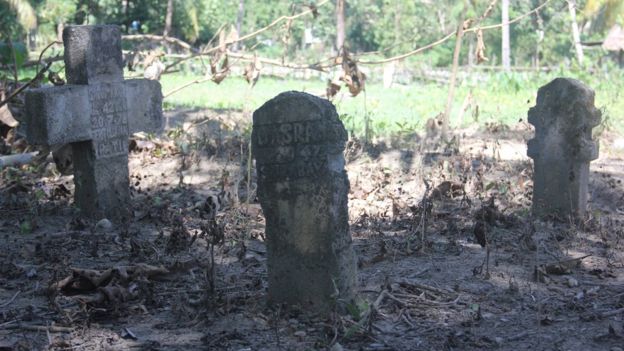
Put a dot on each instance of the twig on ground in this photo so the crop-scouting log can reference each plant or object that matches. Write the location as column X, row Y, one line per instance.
column 426, row 287
column 11, row 300
column 407, row 321
column 612, row 313
column 40, row 328
column 17, row 160
column 519, row 336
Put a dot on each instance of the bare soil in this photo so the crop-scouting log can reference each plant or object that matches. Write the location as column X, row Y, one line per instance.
column 170, row 279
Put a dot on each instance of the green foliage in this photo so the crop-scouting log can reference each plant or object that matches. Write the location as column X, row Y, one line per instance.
column 9, row 25
column 501, row 98
column 387, row 27
column 26, row 227
column 57, row 11
column 16, row 16
column 358, row 308
column 603, row 14
column 14, row 53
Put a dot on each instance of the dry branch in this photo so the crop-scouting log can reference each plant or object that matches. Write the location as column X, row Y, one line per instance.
column 331, row 61
column 37, row 77
column 458, row 44
column 168, row 39
column 20, row 89
column 196, row 81
column 250, row 35
column 40, row 328
column 450, row 35
column 37, row 62
column 17, row 159
column 314, row 66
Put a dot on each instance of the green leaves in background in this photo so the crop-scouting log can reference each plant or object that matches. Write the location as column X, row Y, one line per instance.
column 16, row 52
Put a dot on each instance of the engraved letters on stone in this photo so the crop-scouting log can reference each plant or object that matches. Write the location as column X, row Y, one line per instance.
column 96, row 112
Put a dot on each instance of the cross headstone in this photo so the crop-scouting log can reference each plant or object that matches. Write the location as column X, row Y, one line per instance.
column 298, row 143
column 562, row 148
column 96, row 112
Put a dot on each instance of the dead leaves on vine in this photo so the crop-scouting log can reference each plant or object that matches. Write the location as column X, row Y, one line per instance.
column 332, row 89
column 219, row 63
column 6, row 116
column 252, row 71
column 220, row 73
column 352, row 77
column 480, row 52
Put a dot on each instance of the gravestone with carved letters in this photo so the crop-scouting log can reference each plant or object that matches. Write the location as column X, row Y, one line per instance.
column 298, row 144
column 562, row 148
column 96, row 112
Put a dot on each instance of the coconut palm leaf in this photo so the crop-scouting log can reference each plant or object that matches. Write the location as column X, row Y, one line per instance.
column 604, row 14
column 25, row 13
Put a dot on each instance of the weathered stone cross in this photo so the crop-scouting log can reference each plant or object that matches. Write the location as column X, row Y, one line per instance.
column 96, row 112
column 563, row 147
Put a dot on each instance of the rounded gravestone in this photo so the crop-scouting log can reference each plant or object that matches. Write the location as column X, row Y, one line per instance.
column 298, row 144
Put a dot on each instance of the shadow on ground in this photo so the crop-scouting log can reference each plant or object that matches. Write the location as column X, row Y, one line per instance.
column 421, row 264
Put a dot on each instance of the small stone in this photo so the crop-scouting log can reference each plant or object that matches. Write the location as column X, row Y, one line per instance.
column 499, row 341
column 571, row 282
column 104, row 226
column 300, row 334
column 31, row 273
column 336, row 347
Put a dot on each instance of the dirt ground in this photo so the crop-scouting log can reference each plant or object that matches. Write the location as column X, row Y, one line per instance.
column 170, row 279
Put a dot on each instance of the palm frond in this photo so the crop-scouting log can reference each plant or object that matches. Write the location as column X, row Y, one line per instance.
column 25, row 13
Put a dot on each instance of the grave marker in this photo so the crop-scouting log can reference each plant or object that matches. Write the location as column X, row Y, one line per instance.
column 562, row 148
column 298, row 144
column 96, row 113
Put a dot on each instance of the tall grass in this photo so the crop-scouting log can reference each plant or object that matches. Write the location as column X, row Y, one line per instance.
column 500, row 97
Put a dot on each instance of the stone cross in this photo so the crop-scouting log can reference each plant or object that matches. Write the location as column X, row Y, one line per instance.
column 298, row 143
column 96, row 112
column 562, row 148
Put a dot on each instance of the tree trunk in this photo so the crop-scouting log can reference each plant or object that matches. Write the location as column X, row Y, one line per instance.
column 575, row 32
column 124, row 11
column 538, row 23
column 449, row 102
column 471, row 52
column 442, row 21
column 168, row 18
column 506, row 45
column 59, row 31
column 340, row 24
column 239, row 20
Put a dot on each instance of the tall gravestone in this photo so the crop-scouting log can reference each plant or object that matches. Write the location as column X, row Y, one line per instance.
column 298, row 144
column 562, row 148
column 96, row 112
